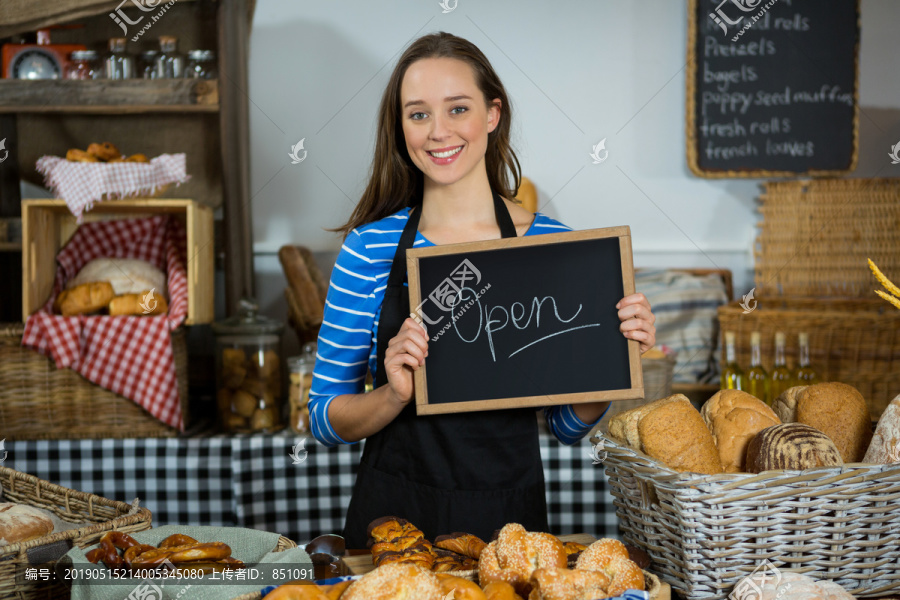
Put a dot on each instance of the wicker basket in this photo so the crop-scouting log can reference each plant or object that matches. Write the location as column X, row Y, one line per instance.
column 816, row 235
column 704, row 533
column 99, row 515
column 39, row 401
column 854, row 341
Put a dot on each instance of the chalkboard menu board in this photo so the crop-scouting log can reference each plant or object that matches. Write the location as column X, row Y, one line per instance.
column 527, row 321
column 772, row 87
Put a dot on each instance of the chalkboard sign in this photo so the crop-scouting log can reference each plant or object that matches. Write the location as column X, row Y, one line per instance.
column 772, row 87
column 526, row 321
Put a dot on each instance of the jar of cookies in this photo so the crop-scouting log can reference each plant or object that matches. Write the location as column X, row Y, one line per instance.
column 248, row 371
column 299, row 382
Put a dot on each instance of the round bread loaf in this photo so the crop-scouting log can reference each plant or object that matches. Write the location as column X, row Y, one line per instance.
column 839, row 411
column 395, row 580
column 791, row 446
column 885, row 445
column 126, row 275
column 734, row 417
column 20, row 523
column 674, row 433
column 785, row 405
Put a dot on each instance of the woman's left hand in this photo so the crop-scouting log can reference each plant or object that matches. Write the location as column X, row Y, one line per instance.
column 637, row 320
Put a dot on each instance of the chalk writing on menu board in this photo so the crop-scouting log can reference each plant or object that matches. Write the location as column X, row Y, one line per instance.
column 525, row 321
column 772, row 87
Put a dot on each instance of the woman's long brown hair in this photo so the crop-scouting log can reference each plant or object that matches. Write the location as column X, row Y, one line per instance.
column 394, row 181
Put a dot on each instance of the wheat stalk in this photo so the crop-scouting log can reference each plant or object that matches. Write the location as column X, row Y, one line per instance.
column 888, row 285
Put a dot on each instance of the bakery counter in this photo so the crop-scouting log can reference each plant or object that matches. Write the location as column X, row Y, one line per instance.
column 277, row 482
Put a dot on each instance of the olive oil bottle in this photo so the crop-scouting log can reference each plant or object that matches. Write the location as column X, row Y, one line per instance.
column 732, row 376
column 781, row 378
column 757, row 378
column 805, row 374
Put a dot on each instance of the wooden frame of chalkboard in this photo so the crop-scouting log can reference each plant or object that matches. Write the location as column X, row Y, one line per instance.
column 817, row 137
column 473, row 299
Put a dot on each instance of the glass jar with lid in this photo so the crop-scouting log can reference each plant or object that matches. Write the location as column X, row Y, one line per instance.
column 201, row 64
column 300, row 381
column 119, row 65
column 248, row 371
column 169, row 63
column 147, row 64
column 83, row 64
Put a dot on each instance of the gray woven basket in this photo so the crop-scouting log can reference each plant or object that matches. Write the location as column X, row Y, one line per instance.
column 704, row 533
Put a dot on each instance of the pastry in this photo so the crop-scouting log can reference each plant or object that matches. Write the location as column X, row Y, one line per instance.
column 76, row 155
column 839, row 411
column 568, row 584
column 127, row 276
column 610, row 557
column 791, row 446
column 85, row 298
column 500, row 590
column 785, row 405
column 293, row 591
column 137, row 158
column 885, row 445
column 787, row 586
column 734, row 417
column 392, row 539
column 515, row 555
column 104, row 151
column 461, row 543
column 447, row 560
column 394, row 581
column 137, row 304
column 676, row 435
column 458, row 588
column 21, row 523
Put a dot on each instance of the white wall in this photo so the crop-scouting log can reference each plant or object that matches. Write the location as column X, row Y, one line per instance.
column 577, row 72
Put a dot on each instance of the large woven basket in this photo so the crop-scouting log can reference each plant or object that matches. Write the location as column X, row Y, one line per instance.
column 704, row 533
column 816, row 235
column 854, row 341
column 98, row 514
column 39, row 401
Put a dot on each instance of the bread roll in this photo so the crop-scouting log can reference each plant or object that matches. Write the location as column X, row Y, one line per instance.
column 138, row 304
column 885, row 445
column 624, row 426
column 500, row 590
column 127, row 275
column 675, row 434
column 104, row 151
column 785, row 405
column 734, row 417
column 20, row 523
column 395, row 580
column 839, row 411
column 787, row 585
column 85, row 298
column 791, row 446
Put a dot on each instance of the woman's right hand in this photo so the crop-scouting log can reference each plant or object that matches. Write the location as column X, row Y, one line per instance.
column 404, row 355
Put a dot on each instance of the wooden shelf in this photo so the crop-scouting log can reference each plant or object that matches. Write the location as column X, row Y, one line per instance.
column 10, row 246
column 105, row 96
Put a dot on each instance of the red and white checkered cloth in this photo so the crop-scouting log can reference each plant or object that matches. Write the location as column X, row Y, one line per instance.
column 81, row 184
column 131, row 356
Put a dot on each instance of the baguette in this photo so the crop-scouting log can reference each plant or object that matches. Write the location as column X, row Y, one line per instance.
column 85, row 298
column 137, row 304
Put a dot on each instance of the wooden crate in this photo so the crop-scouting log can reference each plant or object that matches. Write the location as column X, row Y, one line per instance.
column 48, row 224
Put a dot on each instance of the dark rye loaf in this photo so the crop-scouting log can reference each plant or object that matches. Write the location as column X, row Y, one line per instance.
column 791, row 446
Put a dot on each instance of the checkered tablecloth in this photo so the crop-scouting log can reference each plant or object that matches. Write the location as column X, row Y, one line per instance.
column 252, row 481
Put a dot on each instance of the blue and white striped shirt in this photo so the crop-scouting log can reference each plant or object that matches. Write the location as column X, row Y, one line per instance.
column 349, row 333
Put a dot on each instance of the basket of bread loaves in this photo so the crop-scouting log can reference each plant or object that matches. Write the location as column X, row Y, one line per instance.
column 803, row 486
column 40, row 521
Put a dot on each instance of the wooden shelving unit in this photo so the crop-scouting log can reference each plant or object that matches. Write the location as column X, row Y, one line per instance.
column 109, row 97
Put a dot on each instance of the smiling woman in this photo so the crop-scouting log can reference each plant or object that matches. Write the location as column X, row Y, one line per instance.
column 443, row 172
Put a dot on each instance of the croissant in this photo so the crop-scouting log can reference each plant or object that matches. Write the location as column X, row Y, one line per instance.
column 458, row 588
column 104, row 151
column 85, row 298
column 138, row 304
column 76, row 155
column 461, row 543
column 500, row 590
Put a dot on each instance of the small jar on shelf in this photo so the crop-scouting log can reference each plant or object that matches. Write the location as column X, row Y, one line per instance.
column 169, row 63
column 201, row 64
column 119, row 64
column 84, row 65
column 147, row 64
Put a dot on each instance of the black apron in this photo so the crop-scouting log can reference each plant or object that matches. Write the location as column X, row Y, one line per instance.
column 471, row 472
